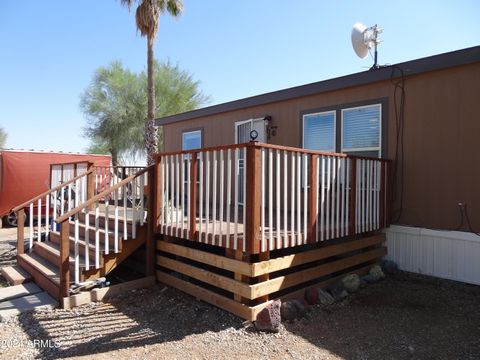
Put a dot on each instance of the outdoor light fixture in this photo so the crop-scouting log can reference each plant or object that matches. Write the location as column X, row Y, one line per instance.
column 271, row 130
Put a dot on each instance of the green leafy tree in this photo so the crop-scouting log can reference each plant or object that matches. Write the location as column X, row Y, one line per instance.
column 3, row 138
column 115, row 105
column 147, row 18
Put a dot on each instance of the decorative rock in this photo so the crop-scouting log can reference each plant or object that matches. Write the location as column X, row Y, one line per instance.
column 324, row 297
column 376, row 272
column 288, row 311
column 369, row 279
column 389, row 266
column 311, row 296
column 269, row 319
column 301, row 306
column 351, row 283
column 338, row 291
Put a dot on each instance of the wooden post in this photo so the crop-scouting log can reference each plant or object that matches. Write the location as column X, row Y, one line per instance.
column 192, row 216
column 252, row 198
column 20, row 227
column 64, row 259
column 263, row 257
column 239, row 255
column 90, row 184
column 312, row 199
column 382, row 195
column 353, row 196
column 151, row 219
column 157, row 190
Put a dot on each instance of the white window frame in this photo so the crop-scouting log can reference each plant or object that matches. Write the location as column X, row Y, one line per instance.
column 334, row 127
column 352, row 150
column 199, row 131
column 241, row 122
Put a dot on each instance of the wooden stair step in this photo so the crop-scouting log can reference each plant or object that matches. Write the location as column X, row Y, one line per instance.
column 110, row 235
column 111, row 220
column 45, row 274
column 15, row 275
column 55, row 238
column 51, row 252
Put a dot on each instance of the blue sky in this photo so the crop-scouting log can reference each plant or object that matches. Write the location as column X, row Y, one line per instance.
column 50, row 50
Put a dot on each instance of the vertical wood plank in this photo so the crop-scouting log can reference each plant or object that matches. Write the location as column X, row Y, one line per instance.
column 20, row 229
column 252, row 197
column 64, row 265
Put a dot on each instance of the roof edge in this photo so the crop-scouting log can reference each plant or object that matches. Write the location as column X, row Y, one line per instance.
column 411, row 67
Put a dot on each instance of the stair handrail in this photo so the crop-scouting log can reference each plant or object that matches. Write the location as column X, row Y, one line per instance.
column 100, row 196
column 56, row 188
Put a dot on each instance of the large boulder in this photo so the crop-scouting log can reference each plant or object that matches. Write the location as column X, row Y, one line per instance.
column 324, row 298
column 270, row 319
column 288, row 310
column 351, row 283
column 389, row 266
column 311, row 296
column 301, row 306
column 337, row 291
column 376, row 273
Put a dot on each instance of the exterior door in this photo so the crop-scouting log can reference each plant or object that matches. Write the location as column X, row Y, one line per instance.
column 242, row 135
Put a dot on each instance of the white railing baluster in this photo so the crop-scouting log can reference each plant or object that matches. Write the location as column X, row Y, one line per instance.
column 55, row 195
column 338, row 199
column 142, row 205
column 235, row 199
column 333, row 197
column 277, row 200
column 292, row 201
column 162, row 191
column 305, row 197
column 30, row 218
column 229, row 193
column 270, row 199
column 244, row 208
column 317, row 176
column 173, row 194
column 200, row 204
column 97, row 236
column 342, row 194
column 106, row 216
column 207, row 196
column 262, row 204
column 168, row 196
column 329, row 195
column 214, row 200
column 347, row 195
column 47, row 216
column 115, row 220
column 322, row 203
column 285, row 198
column 189, row 179
column 222, row 179
column 76, row 255
column 39, row 220
column 299, row 199
column 87, row 239
column 125, row 222
column 134, row 208
column 178, row 164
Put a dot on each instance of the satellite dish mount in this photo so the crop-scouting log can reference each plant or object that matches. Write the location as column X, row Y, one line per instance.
column 363, row 39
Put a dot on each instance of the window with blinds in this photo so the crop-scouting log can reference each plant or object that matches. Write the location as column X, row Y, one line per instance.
column 319, row 131
column 192, row 140
column 361, row 130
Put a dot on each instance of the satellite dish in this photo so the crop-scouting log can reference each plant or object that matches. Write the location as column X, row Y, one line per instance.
column 363, row 39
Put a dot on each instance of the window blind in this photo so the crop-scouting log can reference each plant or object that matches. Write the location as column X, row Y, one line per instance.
column 361, row 128
column 319, row 131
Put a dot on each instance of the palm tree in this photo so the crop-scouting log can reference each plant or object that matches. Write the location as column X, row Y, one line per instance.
column 147, row 19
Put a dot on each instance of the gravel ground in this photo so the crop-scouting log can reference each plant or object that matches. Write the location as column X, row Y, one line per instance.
column 403, row 317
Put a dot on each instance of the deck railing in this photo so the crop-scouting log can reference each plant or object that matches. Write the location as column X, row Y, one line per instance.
column 106, row 220
column 258, row 197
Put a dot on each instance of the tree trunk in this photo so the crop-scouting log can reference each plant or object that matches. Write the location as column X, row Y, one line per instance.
column 151, row 137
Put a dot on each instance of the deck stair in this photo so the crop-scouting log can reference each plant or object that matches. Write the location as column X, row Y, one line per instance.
column 82, row 237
